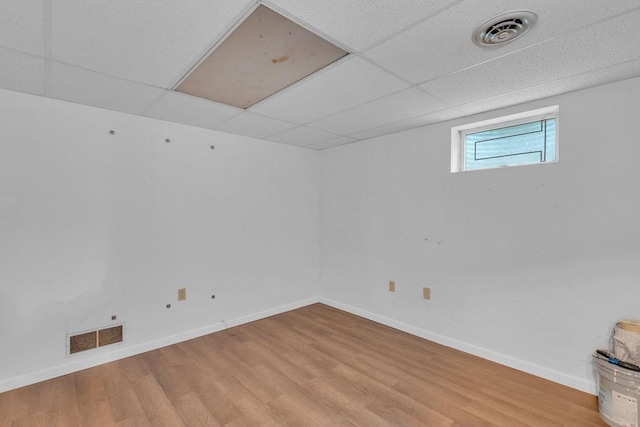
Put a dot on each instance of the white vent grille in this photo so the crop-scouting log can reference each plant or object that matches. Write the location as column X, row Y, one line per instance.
column 504, row 28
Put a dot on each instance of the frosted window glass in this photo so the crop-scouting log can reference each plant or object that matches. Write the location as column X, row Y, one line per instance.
column 521, row 144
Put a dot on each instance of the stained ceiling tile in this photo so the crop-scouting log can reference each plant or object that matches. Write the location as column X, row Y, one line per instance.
column 144, row 40
column 443, row 43
column 581, row 51
column 21, row 72
column 302, row 136
column 408, row 103
column 254, row 125
column 86, row 87
column 264, row 54
column 341, row 86
column 190, row 110
column 359, row 24
column 22, row 26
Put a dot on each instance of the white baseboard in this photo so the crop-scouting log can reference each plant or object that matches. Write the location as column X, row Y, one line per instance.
column 127, row 351
column 512, row 362
column 121, row 353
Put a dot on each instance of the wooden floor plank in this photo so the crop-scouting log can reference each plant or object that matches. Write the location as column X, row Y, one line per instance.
column 193, row 412
column 93, row 405
column 313, row 366
column 343, row 404
column 254, row 411
column 154, row 402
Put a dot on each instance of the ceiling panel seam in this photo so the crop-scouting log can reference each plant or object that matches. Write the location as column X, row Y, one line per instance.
column 47, row 10
column 295, row 125
column 408, row 27
column 111, row 76
column 397, row 76
column 200, row 58
column 307, row 26
column 342, row 60
column 310, row 123
column 332, row 136
column 153, row 103
column 572, row 76
column 451, row 107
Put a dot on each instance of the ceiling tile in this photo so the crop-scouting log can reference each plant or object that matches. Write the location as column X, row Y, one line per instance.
column 21, row 72
column 22, row 26
column 343, row 140
column 86, row 87
column 190, row 110
column 408, row 103
column 581, row 51
column 341, row 86
column 144, row 40
column 302, row 136
column 443, row 43
column 360, row 24
column 416, row 122
column 547, row 89
column 254, row 125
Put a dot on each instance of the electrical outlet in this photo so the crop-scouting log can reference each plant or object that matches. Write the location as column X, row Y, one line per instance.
column 182, row 294
column 392, row 285
column 426, row 293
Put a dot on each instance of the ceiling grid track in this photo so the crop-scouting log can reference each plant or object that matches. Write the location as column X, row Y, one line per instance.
column 48, row 31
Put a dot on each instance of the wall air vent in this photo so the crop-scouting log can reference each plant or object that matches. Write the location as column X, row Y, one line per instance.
column 110, row 336
column 504, row 28
column 95, row 338
column 83, row 342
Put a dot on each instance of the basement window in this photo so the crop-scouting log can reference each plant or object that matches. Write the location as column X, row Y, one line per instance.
column 520, row 139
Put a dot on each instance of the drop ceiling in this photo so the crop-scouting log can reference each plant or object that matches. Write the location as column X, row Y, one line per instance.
column 410, row 63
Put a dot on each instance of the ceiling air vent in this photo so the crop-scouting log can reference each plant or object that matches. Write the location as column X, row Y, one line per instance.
column 504, row 28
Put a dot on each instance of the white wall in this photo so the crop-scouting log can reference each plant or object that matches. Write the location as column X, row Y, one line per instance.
column 94, row 225
column 529, row 266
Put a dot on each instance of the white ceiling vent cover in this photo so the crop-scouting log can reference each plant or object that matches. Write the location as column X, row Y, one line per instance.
column 504, row 28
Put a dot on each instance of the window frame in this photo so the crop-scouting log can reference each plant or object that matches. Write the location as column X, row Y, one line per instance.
column 458, row 134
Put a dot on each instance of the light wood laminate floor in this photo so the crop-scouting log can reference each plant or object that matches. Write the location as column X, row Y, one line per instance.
column 311, row 366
